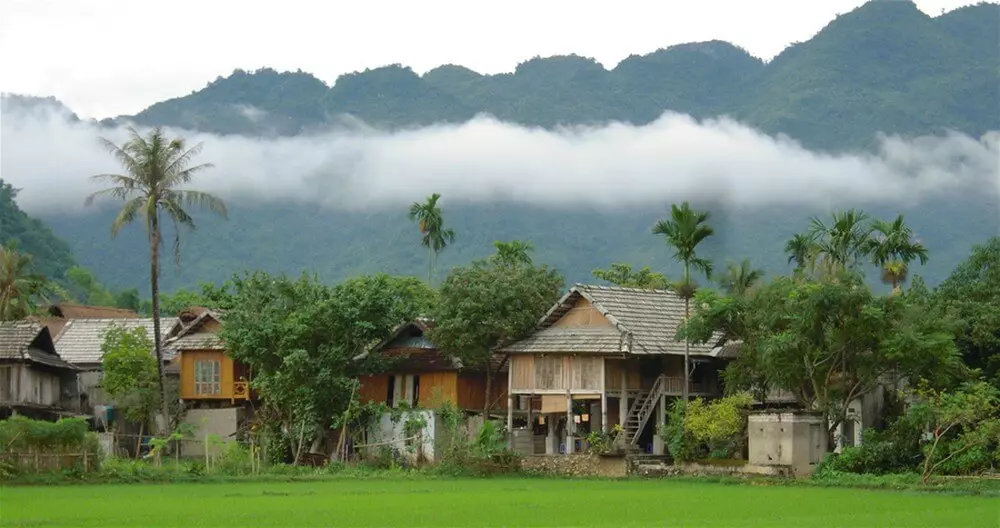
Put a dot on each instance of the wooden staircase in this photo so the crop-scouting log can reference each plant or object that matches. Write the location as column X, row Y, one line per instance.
column 640, row 411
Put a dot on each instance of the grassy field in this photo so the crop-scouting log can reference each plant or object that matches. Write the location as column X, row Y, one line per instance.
column 499, row 502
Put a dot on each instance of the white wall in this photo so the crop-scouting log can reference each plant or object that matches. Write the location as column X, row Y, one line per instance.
column 393, row 432
column 221, row 422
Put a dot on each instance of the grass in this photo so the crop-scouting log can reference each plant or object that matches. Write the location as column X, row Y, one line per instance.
column 486, row 502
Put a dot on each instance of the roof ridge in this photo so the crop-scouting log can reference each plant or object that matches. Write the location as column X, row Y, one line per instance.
column 623, row 288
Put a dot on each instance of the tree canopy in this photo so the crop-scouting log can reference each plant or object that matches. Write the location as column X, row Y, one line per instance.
column 303, row 340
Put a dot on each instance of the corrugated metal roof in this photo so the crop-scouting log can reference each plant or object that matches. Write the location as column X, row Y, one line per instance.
column 643, row 322
column 80, row 340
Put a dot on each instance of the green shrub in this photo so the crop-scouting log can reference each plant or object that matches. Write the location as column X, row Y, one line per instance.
column 64, row 445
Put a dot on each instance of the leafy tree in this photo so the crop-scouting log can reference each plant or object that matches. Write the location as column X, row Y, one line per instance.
column 966, row 418
column 621, row 274
column 130, row 377
column 720, row 424
column 489, row 304
column 515, row 252
column 892, row 248
column 828, row 342
column 684, row 231
column 87, row 288
column 155, row 168
column 740, row 278
column 20, row 286
column 434, row 236
column 129, row 299
column 972, row 294
column 301, row 339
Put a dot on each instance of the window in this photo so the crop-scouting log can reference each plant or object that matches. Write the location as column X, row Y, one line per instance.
column 206, row 377
column 390, row 399
column 402, row 388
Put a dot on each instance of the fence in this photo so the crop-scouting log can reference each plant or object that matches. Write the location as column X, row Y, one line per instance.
column 36, row 461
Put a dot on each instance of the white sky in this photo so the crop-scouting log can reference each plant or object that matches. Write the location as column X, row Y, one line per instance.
column 105, row 57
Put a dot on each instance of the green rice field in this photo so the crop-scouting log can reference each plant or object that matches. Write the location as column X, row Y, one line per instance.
column 495, row 502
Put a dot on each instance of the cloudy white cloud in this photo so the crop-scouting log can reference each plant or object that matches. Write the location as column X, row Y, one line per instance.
column 617, row 165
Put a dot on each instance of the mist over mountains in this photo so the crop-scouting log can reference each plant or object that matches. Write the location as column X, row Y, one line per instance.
column 886, row 109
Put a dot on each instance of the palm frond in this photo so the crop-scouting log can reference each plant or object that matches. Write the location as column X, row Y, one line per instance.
column 127, row 214
column 202, row 200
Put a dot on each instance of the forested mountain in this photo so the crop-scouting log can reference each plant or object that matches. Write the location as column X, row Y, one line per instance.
column 52, row 256
column 884, row 68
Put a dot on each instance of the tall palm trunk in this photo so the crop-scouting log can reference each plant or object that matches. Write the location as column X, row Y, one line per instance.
column 430, row 266
column 687, row 341
column 154, row 280
column 687, row 351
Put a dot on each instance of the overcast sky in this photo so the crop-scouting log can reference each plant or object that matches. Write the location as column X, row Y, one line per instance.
column 107, row 57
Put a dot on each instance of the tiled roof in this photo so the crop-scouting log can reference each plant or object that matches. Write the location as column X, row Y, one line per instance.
column 592, row 339
column 409, row 340
column 197, row 341
column 418, row 360
column 80, row 311
column 185, row 334
column 643, row 322
column 80, row 340
column 29, row 341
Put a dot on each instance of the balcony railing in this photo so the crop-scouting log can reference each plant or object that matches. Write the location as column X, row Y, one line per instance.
column 675, row 387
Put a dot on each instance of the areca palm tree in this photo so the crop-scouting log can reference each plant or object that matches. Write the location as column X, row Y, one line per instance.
column 800, row 249
column 892, row 248
column 844, row 242
column 434, row 236
column 684, row 231
column 740, row 278
column 20, row 287
column 513, row 253
column 155, row 168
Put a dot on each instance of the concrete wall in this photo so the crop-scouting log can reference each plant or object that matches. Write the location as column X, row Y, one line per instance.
column 787, row 439
column 393, row 432
column 221, row 422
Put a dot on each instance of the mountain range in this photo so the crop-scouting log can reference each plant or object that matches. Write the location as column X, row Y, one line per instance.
column 884, row 68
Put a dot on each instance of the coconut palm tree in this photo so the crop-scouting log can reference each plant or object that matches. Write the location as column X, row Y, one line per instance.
column 684, row 231
column 800, row 249
column 844, row 242
column 740, row 278
column 20, row 287
column 155, row 168
column 433, row 234
column 892, row 248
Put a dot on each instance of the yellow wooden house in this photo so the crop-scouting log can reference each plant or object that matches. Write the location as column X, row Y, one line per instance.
column 207, row 374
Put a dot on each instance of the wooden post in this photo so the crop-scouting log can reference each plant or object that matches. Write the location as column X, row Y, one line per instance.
column 510, row 409
column 569, row 423
column 604, row 396
column 623, row 402
column 510, row 420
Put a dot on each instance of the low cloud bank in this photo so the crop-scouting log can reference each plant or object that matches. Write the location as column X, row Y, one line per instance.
column 672, row 159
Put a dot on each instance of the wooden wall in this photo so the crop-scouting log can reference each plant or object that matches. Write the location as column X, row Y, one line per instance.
column 556, row 373
column 472, row 391
column 188, row 359
column 582, row 314
column 466, row 390
column 20, row 383
column 437, row 388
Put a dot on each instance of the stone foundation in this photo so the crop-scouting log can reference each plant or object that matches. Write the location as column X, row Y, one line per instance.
column 576, row 465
